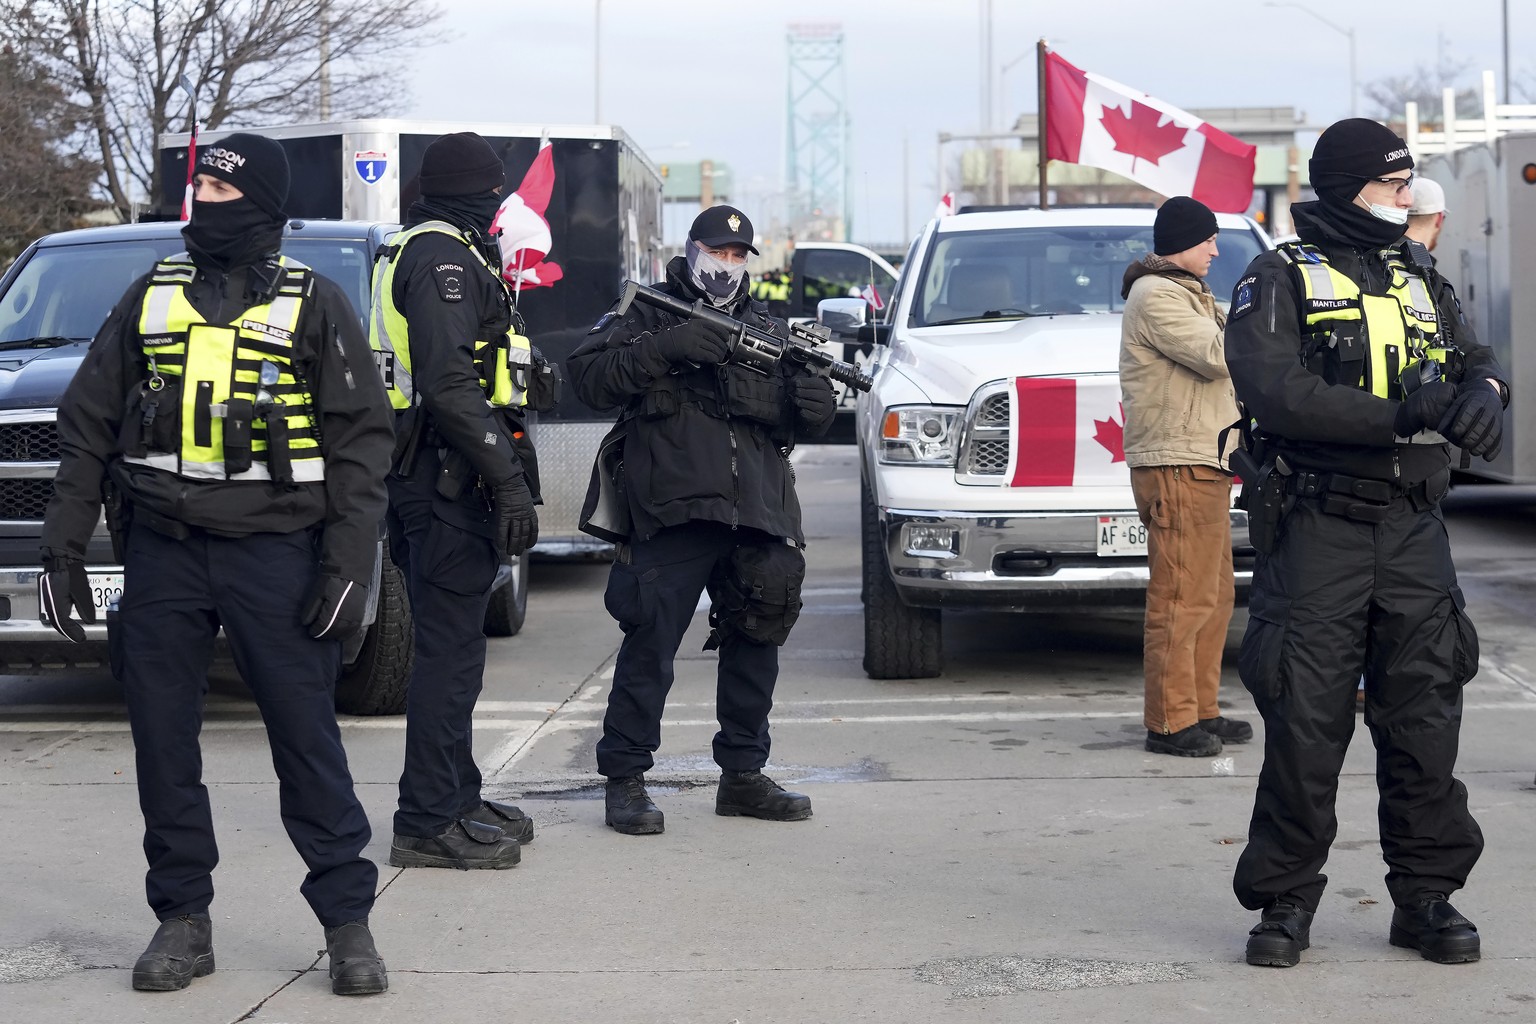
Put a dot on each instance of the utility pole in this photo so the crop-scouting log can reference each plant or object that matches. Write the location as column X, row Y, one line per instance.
column 325, row 61
column 597, row 61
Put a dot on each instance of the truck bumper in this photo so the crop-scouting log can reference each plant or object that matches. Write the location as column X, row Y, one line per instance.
column 1021, row 560
column 19, row 622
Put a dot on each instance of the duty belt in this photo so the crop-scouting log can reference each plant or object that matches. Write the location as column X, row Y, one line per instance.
column 1358, row 498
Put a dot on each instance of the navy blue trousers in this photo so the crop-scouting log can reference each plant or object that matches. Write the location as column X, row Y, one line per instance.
column 653, row 591
column 448, row 571
column 176, row 596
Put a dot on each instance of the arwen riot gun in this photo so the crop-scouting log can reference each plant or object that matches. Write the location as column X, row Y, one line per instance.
column 752, row 347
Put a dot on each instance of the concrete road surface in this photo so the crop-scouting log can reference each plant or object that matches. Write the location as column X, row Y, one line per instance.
column 993, row 845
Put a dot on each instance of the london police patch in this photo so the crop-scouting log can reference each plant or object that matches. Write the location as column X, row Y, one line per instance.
column 1245, row 297
column 450, row 281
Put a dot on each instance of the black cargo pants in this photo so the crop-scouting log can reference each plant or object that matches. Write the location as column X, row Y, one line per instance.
column 653, row 592
column 448, row 563
column 177, row 595
column 1337, row 598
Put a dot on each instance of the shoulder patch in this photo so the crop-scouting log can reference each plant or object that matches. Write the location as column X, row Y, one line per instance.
column 1245, row 297
column 451, row 281
column 603, row 322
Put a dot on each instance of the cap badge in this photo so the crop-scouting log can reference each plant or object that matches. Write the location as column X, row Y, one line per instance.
column 734, row 222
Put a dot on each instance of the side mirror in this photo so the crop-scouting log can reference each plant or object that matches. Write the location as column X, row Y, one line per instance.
column 842, row 316
column 875, row 334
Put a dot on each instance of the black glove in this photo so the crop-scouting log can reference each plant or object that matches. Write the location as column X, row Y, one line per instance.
column 813, row 398
column 693, row 341
column 1424, row 408
column 517, row 525
column 336, row 608
column 1475, row 422
column 66, row 587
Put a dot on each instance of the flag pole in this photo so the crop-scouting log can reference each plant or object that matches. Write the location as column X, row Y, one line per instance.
column 1040, row 105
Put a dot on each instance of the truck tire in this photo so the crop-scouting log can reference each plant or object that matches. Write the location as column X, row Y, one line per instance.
column 900, row 642
column 509, row 604
column 377, row 680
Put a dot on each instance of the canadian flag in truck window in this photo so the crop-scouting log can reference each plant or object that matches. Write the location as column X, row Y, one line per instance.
column 1066, row 431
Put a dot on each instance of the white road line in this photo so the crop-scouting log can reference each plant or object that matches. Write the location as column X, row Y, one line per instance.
column 544, row 726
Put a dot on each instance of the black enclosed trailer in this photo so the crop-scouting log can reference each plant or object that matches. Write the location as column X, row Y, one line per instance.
column 604, row 217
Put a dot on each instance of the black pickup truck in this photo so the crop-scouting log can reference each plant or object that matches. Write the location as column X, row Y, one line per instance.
column 52, row 301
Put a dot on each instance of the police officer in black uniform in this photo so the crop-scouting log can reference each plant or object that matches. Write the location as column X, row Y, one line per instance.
column 460, row 504
column 712, row 502
column 1352, row 356
column 231, row 403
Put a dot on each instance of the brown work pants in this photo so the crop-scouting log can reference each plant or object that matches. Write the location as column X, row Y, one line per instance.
column 1189, row 595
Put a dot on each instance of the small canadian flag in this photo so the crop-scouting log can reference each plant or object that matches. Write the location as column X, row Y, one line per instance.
column 1093, row 120
column 1066, row 431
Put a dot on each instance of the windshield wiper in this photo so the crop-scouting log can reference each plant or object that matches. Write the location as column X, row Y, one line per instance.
column 991, row 314
column 51, row 341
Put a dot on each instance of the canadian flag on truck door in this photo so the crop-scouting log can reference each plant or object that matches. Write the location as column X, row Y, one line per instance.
column 1066, row 431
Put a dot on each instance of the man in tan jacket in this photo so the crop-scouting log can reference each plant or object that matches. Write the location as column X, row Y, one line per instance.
column 1177, row 398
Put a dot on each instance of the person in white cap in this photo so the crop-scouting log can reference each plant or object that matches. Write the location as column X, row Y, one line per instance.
column 1427, row 213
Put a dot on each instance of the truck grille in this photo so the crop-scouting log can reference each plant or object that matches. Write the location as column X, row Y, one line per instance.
column 29, row 442
column 24, row 499
column 984, row 450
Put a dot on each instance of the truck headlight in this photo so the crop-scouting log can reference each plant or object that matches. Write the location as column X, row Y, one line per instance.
column 923, row 435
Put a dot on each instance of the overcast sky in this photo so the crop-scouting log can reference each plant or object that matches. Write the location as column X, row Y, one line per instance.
column 690, row 79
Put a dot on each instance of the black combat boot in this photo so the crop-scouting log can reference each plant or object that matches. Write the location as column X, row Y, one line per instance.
column 356, row 967
column 1280, row 936
column 1192, row 741
column 629, row 809
column 464, row 845
column 1433, row 927
column 181, row 950
column 1228, row 730
column 755, row 795
column 506, row 817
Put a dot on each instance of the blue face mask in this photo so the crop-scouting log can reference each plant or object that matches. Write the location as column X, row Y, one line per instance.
column 720, row 281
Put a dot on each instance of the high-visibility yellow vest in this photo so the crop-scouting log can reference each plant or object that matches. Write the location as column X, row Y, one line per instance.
column 243, row 410
column 1395, row 330
column 503, row 364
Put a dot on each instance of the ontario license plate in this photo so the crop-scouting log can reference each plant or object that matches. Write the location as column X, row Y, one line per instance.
column 106, row 591
column 1122, row 535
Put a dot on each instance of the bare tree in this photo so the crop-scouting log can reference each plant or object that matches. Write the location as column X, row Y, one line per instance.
column 1425, row 86
column 250, row 62
column 43, row 184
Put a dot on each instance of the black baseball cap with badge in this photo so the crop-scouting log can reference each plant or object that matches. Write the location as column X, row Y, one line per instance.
column 723, row 225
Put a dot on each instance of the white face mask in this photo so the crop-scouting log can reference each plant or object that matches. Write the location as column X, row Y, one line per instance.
column 719, row 280
column 1390, row 214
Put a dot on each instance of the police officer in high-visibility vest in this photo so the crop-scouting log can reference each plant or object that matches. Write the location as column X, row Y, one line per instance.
column 1354, row 363
column 459, row 494
column 230, row 402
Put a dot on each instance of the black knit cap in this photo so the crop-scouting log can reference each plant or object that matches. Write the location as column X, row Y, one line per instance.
column 461, row 164
column 1351, row 150
column 254, row 164
column 1182, row 223
column 722, row 225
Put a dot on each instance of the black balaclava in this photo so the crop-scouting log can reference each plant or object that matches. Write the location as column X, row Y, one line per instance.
column 1347, row 154
column 240, row 232
column 460, row 174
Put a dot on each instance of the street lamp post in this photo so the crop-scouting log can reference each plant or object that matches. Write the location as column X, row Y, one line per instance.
column 1349, row 33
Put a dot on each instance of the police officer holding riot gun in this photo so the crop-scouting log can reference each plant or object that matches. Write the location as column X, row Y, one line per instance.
column 706, row 485
column 1349, row 352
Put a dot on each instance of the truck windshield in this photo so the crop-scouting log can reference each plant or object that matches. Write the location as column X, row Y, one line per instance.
column 67, row 291
column 1006, row 274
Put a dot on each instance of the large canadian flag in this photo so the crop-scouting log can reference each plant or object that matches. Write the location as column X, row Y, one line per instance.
column 521, row 230
column 1093, row 120
column 1066, row 431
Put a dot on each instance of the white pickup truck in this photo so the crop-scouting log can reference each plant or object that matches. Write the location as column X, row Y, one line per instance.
column 993, row 473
